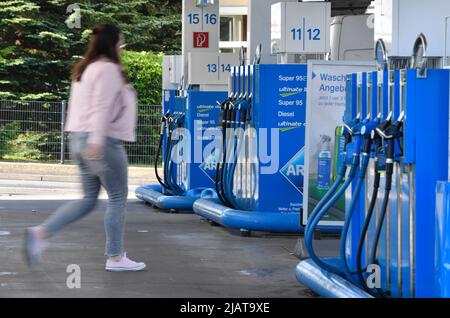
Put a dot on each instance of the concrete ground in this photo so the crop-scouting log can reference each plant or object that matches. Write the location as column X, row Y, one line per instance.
column 185, row 256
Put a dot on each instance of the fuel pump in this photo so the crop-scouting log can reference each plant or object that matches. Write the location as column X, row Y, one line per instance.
column 251, row 195
column 357, row 134
column 393, row 229
column 174, row 123
column 260, row 183
column 235, row 115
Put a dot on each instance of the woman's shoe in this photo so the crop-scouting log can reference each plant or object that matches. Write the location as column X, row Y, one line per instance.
column 34, row 245
column 124, row 265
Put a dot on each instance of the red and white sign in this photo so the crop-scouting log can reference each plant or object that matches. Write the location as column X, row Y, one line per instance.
column 201, row 40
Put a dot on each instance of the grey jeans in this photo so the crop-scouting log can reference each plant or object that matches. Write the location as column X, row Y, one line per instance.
column 112, row 173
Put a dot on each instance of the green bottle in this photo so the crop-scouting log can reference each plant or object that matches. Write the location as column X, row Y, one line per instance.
column 339, row 141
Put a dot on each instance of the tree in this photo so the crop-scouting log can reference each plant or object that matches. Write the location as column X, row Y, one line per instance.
column 38, row 49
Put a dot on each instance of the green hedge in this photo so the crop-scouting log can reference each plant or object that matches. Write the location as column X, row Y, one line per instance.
column 144, row 70
column 21, row 141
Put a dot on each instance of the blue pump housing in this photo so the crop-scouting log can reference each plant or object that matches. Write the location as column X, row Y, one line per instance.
column 412, row 251
column 201, row 113
column 280, row 104
column 278, row 112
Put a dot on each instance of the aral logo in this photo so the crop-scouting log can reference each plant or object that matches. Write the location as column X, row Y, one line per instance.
column 209, row 167
column 293, row 171
column 201, row 40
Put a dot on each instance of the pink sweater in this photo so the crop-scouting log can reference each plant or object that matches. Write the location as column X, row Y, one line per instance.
column 102, row 104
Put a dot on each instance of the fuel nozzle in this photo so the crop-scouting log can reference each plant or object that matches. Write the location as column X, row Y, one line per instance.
column 351, row 134
column 179, row 120
column 382, row 126
column 380, row 153
column 225, row 106
column 357, row 135
column 349, row 127
column 171, row 121
column 368, row 131
column 176, row 121
column 391, row 134
column 348, row 131
column 164, row 119
column 225, row 103
column 165, row 116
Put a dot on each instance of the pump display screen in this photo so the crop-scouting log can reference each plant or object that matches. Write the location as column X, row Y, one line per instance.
column 326, row 106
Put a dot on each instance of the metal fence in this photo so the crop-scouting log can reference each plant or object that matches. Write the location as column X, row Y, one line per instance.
column 33, row 131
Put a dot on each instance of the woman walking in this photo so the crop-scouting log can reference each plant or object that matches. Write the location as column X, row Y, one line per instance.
column 102, row 114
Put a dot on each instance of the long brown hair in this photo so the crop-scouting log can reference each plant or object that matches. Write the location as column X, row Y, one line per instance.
column 102, row 44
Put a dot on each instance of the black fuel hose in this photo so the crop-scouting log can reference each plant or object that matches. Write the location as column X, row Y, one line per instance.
column 220, row 164
column 158, row 152
column 373, row 200
column 376, row 186
column 393, row 131
column 225, row 165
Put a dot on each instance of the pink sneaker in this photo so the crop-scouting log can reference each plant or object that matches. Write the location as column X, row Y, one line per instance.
column 34, row 245
column 124, row 265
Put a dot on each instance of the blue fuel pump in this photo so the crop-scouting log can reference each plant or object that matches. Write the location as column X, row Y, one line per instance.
column 187, row 116
column 259, row 180
column 385, row 243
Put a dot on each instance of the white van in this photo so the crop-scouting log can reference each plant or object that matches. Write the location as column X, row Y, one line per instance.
column 352, row 37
